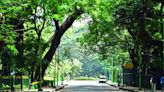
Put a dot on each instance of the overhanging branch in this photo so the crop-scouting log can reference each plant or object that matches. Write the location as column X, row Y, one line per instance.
column 57, row 36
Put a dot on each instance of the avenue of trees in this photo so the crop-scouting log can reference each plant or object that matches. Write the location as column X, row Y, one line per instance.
column 35, row 34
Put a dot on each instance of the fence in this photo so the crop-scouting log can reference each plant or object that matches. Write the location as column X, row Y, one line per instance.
column 23, row 82
column 133, row 80
column 14, row 82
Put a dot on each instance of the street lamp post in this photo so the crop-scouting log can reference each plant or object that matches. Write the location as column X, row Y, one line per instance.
column 139, row 68
column 112, row 70
column 57, row 65
column 57, row 73
column 40, row 74
column 163, row 45
column 62, row 74
column 122, row 74
column 59, row 61
column 55, row 76
column 41, row 80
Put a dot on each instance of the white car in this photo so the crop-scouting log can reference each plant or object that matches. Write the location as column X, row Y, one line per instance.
column 102, row 79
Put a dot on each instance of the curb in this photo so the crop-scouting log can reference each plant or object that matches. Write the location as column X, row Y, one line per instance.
column 60, row 87
column 49, row 89
column 131, row 90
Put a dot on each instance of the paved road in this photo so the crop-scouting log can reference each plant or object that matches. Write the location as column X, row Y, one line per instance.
column 89, row 86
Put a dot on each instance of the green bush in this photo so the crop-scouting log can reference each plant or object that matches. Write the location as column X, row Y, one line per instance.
column 86, row 78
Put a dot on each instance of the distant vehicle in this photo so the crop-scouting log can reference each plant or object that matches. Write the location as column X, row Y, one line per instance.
column 102, row 79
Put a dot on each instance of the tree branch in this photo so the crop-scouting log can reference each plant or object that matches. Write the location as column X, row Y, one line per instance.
column 57, row 36
column 57, row 25
column 131, row 33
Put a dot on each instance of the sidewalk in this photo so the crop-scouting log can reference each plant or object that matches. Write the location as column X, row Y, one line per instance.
column 130, row 88
column 48, row 89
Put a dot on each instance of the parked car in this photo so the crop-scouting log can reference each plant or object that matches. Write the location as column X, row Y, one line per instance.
column 102, row 79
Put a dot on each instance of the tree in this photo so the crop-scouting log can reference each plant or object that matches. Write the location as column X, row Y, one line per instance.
column 35, row 16
column 134, row 30
column 146, row 36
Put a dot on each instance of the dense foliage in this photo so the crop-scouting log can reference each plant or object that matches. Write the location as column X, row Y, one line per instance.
column 111, row 32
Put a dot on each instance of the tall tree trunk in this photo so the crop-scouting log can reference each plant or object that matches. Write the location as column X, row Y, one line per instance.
column 161, row 20
column 19, row 44
column 56, row 39
column 135, row 63
column 37, row 60
column 147, row 42
column 140, row 39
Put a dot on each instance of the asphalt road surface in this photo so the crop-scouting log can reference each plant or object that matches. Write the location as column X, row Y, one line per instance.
column 89, row 86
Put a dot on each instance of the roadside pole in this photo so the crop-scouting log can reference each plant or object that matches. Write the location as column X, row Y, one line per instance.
column 57, row 67
column 41, row 80
column 55, row 75
column 122, row 72
column 112, row 70
column 40, row 77
column 163, row 45
column 139, row 68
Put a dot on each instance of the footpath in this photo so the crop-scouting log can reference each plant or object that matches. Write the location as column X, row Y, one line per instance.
column 130, row 88
column 48, row 89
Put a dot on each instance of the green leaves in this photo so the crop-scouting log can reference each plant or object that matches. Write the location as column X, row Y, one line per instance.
column 12, row 49
column 3, row 2
column 14, row 9
column 56, row 16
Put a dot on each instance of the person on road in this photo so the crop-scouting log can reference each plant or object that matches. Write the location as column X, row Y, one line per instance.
column 162, row 83
column 153, row 81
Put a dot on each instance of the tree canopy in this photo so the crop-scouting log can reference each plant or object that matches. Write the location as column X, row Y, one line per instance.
column 108, row 30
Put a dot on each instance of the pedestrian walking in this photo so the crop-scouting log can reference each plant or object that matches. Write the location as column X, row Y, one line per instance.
column 162, row 83
column 153, row 81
